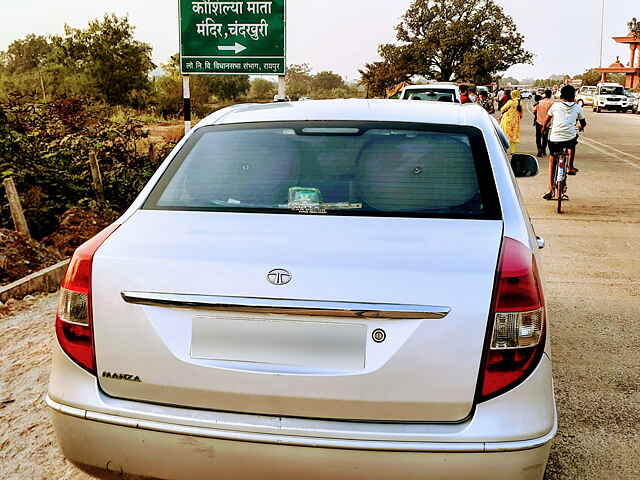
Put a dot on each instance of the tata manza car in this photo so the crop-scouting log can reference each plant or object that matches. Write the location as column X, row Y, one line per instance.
column 327, row 289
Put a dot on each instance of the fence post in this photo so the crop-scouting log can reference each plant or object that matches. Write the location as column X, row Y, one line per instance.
column 97, row 177
column 17, row 214
column 152, row 154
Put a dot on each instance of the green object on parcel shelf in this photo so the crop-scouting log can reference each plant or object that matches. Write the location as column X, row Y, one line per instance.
column 302, row 195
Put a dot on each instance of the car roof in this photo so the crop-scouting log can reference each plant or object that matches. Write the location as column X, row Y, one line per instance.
column 442, row 113
column 453, row 86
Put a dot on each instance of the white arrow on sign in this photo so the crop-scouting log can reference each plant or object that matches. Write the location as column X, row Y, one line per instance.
column 237, row 48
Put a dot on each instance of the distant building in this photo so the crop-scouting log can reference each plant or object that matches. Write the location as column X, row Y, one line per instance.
column 632, row 70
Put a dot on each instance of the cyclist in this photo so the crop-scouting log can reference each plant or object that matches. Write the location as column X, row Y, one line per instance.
column 563, row 117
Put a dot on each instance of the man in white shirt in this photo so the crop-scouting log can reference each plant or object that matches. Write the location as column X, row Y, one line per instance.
column 563, row 117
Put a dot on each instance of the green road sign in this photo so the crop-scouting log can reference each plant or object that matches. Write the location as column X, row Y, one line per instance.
column 232, row 37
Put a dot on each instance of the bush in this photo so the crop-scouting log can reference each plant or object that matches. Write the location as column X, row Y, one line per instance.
column 45, row 148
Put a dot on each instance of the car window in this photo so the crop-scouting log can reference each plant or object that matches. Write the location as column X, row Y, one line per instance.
column 432, row 96
column 611, row 91
column 427, row 91
column 332, row 168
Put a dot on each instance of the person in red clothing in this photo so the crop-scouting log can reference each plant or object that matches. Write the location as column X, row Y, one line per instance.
column 464, row 94
column 541, row 112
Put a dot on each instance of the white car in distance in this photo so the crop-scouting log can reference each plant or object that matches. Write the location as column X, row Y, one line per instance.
column 337, row 289
column 435, row 92
column 585, row 96
column 610, row 96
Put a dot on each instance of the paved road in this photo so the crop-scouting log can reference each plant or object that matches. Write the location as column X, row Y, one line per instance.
column 592, row 272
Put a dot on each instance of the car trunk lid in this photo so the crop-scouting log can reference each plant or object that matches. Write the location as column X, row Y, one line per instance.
column 381, row 319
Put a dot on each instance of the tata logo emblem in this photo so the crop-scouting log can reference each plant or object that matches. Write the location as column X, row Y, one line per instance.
column 279, row 276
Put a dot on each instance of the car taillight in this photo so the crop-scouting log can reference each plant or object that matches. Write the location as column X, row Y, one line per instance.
column 517, row 331
column 73, row 320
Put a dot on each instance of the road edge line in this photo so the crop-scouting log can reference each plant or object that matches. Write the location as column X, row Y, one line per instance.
column 587, row 142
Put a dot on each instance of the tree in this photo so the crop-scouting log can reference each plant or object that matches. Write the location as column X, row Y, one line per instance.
column 226, row 87
column 298, row 79
column 590, row 77
column 28, row 54
column 457, row 40
column 377, row 77
column 107, row 53
column 262, row 89
column 326, row 81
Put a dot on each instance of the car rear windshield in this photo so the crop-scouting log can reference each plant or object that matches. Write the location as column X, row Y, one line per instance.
column 331, row 168
column 430, row 93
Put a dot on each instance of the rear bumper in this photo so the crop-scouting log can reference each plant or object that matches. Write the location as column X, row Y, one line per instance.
column 294, row 440
column 508, row 437
column 180, row 456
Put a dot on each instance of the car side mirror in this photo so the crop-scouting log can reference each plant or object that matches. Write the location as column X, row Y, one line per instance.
column 524, row 165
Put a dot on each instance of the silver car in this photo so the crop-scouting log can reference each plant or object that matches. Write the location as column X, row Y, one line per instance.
column 326, row 289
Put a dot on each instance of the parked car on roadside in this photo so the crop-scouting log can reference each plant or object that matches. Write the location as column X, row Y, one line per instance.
column 610, row 96
column 347, row 287
column 585, row 96
column 633, row 97
column 436, row 92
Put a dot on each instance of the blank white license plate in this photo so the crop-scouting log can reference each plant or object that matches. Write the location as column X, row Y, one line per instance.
column 327, row 345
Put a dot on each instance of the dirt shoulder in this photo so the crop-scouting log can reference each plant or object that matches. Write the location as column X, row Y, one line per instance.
column 21, row 256
column 28, row 445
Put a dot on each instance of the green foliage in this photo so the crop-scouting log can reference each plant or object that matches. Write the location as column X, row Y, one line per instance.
column 327, row 81
column 45, row 148
column 298, row 81
column 617, row 78
column 262, row 89
column 302, row 83
column 377, row 77
column 590, row 77
column 102, row 62
column 24, row 55
column 226, row 87
column 452, row 40
column 107, row 53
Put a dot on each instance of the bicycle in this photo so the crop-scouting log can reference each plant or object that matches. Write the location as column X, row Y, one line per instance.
column 560, row 173
column 560, row 170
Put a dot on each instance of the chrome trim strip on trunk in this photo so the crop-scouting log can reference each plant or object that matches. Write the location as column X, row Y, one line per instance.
column 285, row 306
column 317, row 442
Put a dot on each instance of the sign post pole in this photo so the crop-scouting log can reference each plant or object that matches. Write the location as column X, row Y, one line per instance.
column 282, row 91
column 187, row 103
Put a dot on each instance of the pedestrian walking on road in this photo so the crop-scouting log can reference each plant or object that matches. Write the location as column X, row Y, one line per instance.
column 486, row 102
column 541, row 112
column 502, row 100
column 511, row 118
column 536, row 101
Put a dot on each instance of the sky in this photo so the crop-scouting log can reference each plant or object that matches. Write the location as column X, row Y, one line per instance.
column 343, row 35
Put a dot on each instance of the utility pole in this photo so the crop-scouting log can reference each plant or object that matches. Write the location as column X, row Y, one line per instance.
column 602, row 34
column 282, row 85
